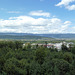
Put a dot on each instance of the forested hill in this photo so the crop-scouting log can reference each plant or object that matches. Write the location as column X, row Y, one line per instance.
column 35, row 36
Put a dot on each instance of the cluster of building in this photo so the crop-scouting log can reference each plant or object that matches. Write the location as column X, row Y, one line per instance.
column 51, row 45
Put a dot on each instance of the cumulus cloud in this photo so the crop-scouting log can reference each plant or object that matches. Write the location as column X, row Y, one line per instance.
column 39, row 13
column 27, row 24
column 67, row 5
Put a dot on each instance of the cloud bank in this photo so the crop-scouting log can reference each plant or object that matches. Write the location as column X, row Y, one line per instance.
column 27, row 24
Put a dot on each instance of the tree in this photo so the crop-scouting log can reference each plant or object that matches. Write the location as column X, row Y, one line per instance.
column 40, row 55
column 64, row 48
column 56, row 70
column 2, row 61
column 28, row 46
column 62, row 65
column 46, row 43
column 11, row 67
column 35, row 68
column 18, row 44
column 73, row 50
column 68, row 57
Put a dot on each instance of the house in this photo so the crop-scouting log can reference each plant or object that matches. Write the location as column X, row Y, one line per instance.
column 58, row 45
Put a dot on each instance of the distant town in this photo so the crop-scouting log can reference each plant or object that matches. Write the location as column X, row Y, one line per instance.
column 52, row 45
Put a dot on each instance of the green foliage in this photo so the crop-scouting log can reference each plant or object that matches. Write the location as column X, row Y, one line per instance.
column 18, row 60
column 73, row 50
column 62, row 65
column 64, row 47
column 56, row 70
column 28, row 46
column 68, row 57
column 40, row 55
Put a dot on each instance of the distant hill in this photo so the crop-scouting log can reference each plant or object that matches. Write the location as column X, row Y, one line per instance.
column 35, row 36
column 18, row 36
column 69, row 36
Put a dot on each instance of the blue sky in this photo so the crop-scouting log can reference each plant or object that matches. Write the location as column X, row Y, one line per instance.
column 37, row 16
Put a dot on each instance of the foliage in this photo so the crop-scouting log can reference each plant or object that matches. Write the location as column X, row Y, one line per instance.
column 18, row 60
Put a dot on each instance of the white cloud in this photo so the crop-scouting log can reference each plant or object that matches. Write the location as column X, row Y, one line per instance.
column 67, row 5
column 67, row 22
column 72, row 7
column 65, row 2
column 39, row 13
column 27, row 24
column 14, row 12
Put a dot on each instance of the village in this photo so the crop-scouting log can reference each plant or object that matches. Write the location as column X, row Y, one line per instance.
column 51, row 45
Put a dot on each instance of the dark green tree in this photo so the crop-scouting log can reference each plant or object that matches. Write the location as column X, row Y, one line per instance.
column 40, row 55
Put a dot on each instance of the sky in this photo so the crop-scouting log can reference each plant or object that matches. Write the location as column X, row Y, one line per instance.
column 37, row 16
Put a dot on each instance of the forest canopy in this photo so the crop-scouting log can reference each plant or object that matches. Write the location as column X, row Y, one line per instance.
column 18, row 60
